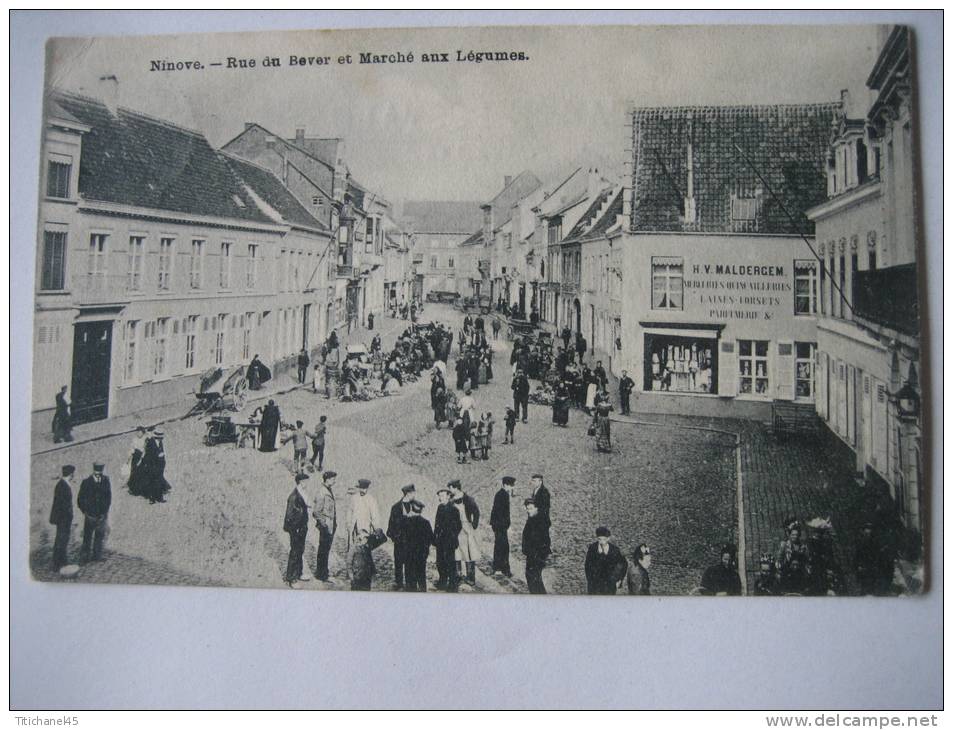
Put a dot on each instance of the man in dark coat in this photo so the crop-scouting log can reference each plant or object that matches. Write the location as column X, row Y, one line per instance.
column 541, row 497
column 61, row 515
column 418, row 537
column 399, row 513
column 446, row 531
column 296, row 525
column 95, row 497
column 473, row 369
column 520, row 388
column 722, row 579
column 536, row 547
column 873, row 564
column 462, row 371
column 599, row 373
column 566, row 335
column 605, row 565
column 581, row 346
column 333, row 340
column 500, row 522
column 270, row 424
column 303, row 362
column 625, row 390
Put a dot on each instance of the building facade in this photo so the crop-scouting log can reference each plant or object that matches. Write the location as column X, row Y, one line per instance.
column 148, row 276
column 439, row 227
column 868, row 359
column 719, row 274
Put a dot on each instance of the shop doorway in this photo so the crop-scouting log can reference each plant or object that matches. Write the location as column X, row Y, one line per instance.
column 577, row 308
column 92, row 351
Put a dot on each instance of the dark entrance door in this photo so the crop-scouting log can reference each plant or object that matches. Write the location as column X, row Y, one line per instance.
column 92, row 347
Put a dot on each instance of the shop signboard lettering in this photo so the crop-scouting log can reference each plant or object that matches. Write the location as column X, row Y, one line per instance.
column 739, row 291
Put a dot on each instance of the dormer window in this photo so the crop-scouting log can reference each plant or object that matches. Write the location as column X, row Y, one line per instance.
column 59, row 171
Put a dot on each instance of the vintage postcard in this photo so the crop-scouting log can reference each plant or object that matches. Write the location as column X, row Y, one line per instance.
column 604, row 310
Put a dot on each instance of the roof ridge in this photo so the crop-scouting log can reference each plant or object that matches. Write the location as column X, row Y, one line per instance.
column 162, row 122
column 726, row 107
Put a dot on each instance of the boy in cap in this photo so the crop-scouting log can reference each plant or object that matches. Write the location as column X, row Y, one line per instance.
column 605, row 565
column 61, row 515
column 500, row 522
column 536, row 546
column 299, row 438
column 447, row 526
column 418, row 537
column 461, row 436
column 296, row 525
column 399, row 512
column 94, row 500
column 317, row 442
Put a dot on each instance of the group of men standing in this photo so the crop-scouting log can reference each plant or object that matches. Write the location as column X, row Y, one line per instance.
column 94, row 500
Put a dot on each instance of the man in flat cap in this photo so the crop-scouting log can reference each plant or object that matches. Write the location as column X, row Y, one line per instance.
column 418, row 537
column 399, row 512
column 500, row 522
column 61, row 515
column 95, row 497
column 326, row 521
column 296, row 525
column 447, row 526
column 536, row 546
column 605, row 565
column 364, row 518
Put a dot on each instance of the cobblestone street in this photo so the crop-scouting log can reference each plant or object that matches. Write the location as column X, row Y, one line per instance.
column 669, row 483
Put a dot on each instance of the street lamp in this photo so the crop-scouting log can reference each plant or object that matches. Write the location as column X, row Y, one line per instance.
column 907, row 399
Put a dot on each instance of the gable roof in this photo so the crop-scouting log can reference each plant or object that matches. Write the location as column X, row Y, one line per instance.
column 133, row 159
column 502, row 203
column 608, row 219
column 276, row 195
column 442, row 216
column 787, row 145
column 589, row 217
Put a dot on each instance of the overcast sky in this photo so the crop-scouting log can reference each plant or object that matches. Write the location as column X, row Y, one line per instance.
column 453, row 130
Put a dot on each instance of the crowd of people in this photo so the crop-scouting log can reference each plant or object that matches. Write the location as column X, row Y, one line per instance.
column 804, row 563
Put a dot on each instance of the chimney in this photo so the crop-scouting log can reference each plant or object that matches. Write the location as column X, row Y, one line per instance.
column 593, row 184
column 299, row 134
column 249, row 125
column 845, row 100
column 507, row 179
column 109, row 92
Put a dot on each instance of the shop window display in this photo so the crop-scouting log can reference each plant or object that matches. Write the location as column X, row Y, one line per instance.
column 753, row 367
column 680, row 364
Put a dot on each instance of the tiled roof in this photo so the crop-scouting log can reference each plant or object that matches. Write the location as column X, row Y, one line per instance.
column 587, row 218
column 786, row 144
column 608, row 219
column 132, row 159
column 270, row 189
column 518, row 188
column 442, row 216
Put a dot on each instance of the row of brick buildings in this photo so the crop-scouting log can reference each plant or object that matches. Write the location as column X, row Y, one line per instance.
column 159, row 257
column 746, row 257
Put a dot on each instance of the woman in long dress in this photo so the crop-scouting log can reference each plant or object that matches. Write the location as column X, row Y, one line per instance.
column 561, row 404
column 601, row 422
column 154, row 485
column 270, row 423
column 62, row 419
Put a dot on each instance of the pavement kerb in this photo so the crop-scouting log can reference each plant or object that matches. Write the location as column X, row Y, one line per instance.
column 162, row 422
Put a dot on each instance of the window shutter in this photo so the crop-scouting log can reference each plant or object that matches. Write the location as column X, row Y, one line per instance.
column 727, row 368
column 785, row 371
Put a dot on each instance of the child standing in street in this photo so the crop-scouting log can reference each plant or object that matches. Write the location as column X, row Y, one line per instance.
column 460, row 438
column 510, row 421
column 488, row 418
